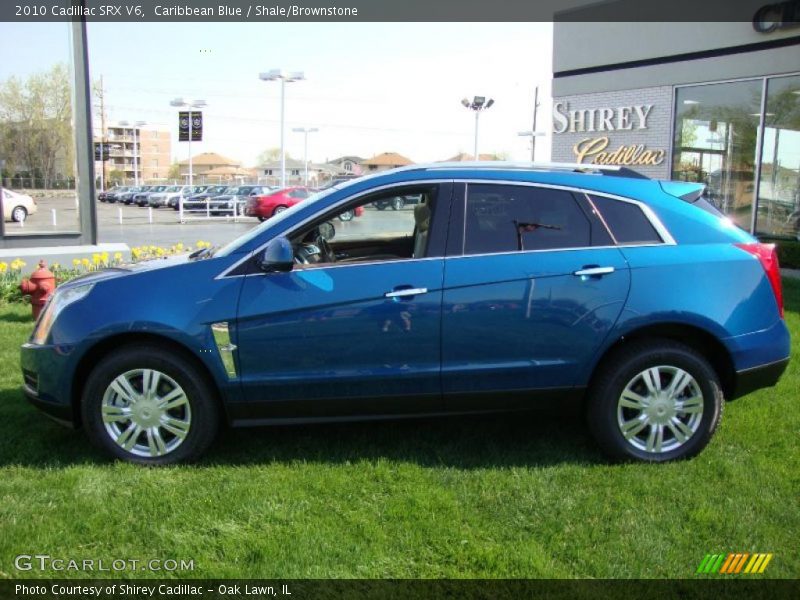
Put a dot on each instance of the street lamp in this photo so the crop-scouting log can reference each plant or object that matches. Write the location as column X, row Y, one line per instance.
column 305, row 131
column 136, row 125
column 533, row 135
column 284, row 77
column 181, row 103
column 478, row 104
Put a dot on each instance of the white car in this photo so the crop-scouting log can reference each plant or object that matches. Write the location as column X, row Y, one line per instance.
column 16, row 206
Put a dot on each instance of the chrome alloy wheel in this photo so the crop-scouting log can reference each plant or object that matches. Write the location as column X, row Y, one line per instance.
column 146, row 412
column 660, row 409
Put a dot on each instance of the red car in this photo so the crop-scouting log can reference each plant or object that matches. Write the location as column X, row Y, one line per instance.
column 270, row 205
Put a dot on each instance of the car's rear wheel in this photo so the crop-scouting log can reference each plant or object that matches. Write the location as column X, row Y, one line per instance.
column 19, row 214
column 398, row 203
column 656, row 401
column 278, row 209
column 146, row 405
column 347, row 215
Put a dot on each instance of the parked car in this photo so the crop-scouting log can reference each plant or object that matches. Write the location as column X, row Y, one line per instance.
column 209, row 192
column 127, row 196
column 113, row 194
column 173, row 201
column 142, row 198
column 231, row 202
column 272, row 203
column 161, row 199
column 506, row 288
column 396, row 203
column 16, row 206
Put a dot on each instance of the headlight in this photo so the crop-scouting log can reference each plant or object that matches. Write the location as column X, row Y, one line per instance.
column 60, row 300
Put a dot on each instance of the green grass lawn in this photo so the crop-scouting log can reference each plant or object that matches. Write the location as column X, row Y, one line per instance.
column 463, row 497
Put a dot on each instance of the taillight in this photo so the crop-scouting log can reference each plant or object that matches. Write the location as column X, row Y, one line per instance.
column 768, row 257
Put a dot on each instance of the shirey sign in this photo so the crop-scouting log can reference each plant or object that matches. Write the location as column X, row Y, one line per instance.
column 602, row 127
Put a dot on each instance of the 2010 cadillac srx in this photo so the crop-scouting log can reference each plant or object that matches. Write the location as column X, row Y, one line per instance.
column 505, row 287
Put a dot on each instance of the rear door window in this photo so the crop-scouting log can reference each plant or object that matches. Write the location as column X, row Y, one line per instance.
column 508, row 218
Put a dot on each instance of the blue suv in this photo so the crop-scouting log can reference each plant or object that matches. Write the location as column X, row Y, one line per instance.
column 506, row 287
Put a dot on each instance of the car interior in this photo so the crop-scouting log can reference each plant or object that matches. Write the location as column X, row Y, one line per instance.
column 377, row 236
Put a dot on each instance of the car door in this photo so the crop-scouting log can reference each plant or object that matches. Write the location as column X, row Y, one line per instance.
column 347, row 338
column 532, row 286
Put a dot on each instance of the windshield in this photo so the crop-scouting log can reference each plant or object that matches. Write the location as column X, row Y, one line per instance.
column 160, row 188
column 231, row 247
column 173, row 188
column 232, row 191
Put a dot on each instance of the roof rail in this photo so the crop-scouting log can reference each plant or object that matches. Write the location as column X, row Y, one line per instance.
column 614, row 170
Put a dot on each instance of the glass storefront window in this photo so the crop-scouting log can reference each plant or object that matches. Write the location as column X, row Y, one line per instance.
column 716, row 131
column 779, row 187
column 38, row 170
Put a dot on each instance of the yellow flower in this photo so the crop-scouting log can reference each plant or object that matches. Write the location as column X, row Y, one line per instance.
column 56, row 266
column 85, row 262
column 3, row 267
column 118, row 256
column 96, row 258
column 76, row 262
column 179, row 246
column 104, row 257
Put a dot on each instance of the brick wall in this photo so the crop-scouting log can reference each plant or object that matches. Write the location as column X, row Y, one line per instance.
column 656, row 137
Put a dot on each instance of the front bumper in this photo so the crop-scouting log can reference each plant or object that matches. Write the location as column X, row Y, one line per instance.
column 44, row 371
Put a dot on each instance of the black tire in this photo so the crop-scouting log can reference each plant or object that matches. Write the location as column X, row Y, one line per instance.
column 380, row 205
column 621, row 368
column 398, row 203
column 279, row 209
column 198, row 389
column 347, row 215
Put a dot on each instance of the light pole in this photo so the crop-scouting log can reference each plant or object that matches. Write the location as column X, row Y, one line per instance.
column 477, row 104
column 284, row 77
column 533, row 135
column 305, row 131
column 181, row 103
column 136, row 126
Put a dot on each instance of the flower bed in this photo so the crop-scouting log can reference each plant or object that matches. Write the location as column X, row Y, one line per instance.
column 11, row 274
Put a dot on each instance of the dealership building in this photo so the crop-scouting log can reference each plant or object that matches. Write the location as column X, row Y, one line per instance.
column 717, row 103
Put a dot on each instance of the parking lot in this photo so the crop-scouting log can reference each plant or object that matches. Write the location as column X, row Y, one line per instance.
column 137, row 226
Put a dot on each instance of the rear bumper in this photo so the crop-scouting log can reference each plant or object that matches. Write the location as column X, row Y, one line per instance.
column 755, row 378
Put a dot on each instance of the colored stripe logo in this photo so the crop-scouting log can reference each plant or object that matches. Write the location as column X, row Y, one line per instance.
column 734, row 563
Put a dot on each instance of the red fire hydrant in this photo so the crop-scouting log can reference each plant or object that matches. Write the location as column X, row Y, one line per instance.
column 39, row 287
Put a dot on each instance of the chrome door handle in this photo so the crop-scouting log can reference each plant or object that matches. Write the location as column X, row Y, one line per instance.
column 406, row 292
column 593, row 271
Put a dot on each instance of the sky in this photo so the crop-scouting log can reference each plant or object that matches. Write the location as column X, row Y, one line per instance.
column 369, row 88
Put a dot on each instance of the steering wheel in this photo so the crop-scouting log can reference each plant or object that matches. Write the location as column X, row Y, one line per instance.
column 328, row 254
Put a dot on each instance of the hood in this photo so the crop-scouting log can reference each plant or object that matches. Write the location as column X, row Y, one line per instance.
column 124, row 270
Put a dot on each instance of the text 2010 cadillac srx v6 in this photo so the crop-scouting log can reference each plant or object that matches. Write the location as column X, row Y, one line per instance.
column 504, row 287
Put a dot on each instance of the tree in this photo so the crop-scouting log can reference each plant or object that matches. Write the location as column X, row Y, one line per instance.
column 36, row 135
column 174, row 171
column 270, row 155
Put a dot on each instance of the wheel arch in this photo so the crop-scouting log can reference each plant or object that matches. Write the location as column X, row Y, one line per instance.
column 116, row 342
column 697, row 338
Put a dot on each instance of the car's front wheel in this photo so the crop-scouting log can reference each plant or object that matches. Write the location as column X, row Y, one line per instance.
column 347, row 215
column 656, row 401
column 19, row 214
column 146, row 405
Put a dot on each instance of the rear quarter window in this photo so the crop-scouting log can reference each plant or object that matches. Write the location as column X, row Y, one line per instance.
column 626, row 220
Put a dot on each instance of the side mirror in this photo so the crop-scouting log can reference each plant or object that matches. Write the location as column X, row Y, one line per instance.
column 278, row 256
